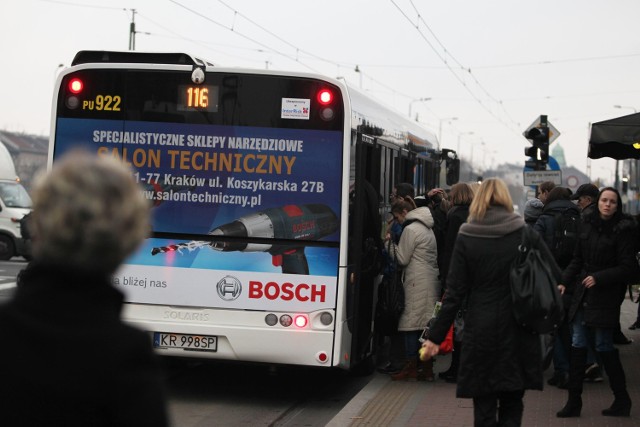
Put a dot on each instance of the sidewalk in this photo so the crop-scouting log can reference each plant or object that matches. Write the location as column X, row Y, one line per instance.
column 389, row 403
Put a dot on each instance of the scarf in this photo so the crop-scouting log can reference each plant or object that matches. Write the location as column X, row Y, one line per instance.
column 497, row 222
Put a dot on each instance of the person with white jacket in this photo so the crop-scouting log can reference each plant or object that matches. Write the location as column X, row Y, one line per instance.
column 418, row 253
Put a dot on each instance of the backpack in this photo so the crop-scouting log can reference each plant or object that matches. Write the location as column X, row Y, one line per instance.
column 565, row 235
column 534, row 278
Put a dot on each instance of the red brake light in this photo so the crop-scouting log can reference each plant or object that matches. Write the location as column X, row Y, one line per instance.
column 75, row 86
column 301, row 321
column 325, row 96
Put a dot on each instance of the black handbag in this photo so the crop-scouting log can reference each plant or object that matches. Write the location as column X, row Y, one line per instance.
column 534, row 278
column 390, row 304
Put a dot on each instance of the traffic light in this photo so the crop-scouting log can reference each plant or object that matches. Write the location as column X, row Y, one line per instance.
column 533, row 163
column 539, row 151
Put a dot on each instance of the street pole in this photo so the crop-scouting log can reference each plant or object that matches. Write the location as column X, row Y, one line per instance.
column 440, row 129
column 132, row 31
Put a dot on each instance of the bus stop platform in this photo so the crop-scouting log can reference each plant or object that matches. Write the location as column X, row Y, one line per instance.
column 383, row 402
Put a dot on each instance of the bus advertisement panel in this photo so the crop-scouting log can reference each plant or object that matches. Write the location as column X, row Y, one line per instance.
column 236, row 210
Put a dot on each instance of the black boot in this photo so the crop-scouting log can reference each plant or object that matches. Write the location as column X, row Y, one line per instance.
column 576, row 374
column 621, row 406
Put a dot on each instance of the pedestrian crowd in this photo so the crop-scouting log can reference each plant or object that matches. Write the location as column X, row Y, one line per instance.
column 456, row 249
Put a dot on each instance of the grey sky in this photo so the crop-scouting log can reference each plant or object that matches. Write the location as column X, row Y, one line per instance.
column 496, row 65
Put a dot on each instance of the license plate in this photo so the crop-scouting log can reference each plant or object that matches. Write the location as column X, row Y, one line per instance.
column 184, row 341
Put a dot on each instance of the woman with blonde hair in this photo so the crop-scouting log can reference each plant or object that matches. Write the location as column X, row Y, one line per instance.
column 499, row 359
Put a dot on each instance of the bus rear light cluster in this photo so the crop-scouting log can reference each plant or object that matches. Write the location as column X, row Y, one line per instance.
column 300, row 321
column 325, row 98
column 74, row 87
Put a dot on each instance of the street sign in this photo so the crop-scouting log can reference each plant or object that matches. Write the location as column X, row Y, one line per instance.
column 553, row 132
column 554, row 173
column 538, row 177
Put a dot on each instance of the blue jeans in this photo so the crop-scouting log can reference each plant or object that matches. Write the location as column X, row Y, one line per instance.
column 411, row 343
column 584, row 336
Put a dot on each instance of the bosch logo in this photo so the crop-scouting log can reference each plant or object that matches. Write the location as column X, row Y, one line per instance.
column 229, row 288
column 287, row 291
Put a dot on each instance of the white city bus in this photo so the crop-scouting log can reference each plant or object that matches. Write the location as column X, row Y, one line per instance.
column 265, row 243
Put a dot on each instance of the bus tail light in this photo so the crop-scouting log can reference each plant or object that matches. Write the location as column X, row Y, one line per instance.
column 325, row 97
column 326, row 318
column 286, row 320
column 271, row 319
column 301, row 321
column 327, row 114
column 75, row 86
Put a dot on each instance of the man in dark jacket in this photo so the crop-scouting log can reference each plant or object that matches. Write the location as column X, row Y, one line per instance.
column 586, row 197
column 558, row 204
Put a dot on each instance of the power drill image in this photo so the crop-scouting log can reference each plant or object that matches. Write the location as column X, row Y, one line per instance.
column 291, row 222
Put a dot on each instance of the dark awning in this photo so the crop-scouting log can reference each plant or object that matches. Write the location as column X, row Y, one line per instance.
column 617, row 138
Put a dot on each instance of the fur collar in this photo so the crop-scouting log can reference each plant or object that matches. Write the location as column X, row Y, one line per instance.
column 496, row 223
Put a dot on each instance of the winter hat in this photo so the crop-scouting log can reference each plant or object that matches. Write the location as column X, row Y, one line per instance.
column 532, row 210
column 586, row 190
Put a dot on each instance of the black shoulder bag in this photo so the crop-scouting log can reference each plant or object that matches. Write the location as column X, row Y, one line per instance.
column 534, row 277
column 390, row 304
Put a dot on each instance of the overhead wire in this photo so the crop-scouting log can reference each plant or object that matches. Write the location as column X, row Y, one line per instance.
column 466, row 70
column 446, row 57
column 241, row 34
column 299, row 51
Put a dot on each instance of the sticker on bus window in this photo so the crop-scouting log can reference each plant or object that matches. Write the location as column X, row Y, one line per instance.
column 295, row 108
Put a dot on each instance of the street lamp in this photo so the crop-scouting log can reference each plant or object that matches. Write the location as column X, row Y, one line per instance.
column 624, row 106
column 471, row 161
column 357, row 70
column 416, row 100
column 446, row 119
column 485, row 150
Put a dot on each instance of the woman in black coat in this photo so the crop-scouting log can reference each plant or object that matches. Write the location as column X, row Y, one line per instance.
column 460, row 196
column 499, row 359
column 603, row 262
column 67, row 359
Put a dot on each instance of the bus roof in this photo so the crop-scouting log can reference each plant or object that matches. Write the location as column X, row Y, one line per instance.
column 134, row 57
column 368, row 116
